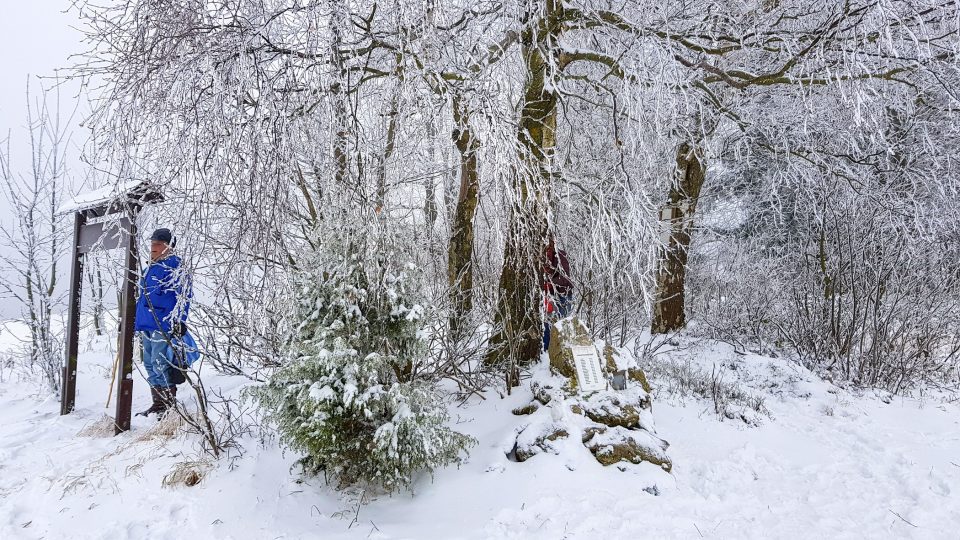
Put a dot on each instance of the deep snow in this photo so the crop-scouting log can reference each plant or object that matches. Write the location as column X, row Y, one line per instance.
column 826, row 464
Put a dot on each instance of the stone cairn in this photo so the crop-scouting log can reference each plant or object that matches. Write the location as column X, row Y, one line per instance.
column 615, row 424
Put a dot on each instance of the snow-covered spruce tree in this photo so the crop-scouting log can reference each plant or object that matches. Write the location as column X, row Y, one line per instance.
column 349, row 395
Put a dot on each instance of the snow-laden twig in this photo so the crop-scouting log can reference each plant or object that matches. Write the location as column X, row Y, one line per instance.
column 903, row 519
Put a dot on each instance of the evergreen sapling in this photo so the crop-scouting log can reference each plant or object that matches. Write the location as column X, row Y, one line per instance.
column 349, row 395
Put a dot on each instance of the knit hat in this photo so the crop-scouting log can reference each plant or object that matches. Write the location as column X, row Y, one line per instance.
column 165, row 236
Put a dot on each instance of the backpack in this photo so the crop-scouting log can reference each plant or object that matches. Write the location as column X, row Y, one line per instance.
column 185, row 353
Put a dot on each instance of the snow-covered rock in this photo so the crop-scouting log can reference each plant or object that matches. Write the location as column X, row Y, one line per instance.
column 614, row 425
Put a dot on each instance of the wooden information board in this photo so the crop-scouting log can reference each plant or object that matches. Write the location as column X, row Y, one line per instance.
column 105, row 219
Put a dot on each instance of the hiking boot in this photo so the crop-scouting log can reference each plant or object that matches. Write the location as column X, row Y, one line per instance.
column 158, row 405
column 168, row 399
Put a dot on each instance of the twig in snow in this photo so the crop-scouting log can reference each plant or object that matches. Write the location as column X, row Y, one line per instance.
column 356, row 515
column 904, row 520
column 698, row 530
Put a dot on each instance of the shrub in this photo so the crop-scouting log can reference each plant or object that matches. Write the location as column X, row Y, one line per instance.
column 349, row 395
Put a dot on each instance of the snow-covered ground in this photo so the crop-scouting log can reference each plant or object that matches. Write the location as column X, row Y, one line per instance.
column 825, row 464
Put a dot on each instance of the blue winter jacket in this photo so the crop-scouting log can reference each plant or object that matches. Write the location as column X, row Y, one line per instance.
column 161, row 287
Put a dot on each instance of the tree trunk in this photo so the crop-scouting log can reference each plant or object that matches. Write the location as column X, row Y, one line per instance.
column 430, row 181
column 518, row 321
column 96, row 291
column 340, row 99
column 389, row 147
column 429, row 185
column 677, row 219
column 460, row 249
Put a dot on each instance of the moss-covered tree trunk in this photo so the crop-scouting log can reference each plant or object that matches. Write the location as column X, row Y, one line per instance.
column 518, row 322
column 677, row 217
column 460, row 249
column 388, row 148
column 340, row 99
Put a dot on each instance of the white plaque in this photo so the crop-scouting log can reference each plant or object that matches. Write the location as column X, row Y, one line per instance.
column 589, row 375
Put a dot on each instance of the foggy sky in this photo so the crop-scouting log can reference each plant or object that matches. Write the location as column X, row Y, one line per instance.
column 37, row 38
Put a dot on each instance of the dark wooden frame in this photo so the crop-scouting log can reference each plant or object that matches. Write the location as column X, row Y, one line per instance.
column 89, row 232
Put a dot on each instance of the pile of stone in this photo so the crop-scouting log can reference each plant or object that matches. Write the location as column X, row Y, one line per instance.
column 615, row 424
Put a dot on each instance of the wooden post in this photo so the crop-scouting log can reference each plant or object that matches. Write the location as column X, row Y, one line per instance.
column 92, row 231
column 68, row 391
column 128, row 313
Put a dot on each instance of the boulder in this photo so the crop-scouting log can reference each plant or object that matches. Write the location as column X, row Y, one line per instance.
column 537, row 439
column 614, row 445
column 610, row 359
column 637, row 375
column 541, row 392
column 612, row 413
column 529, row 408
column 564, row 334
column 629, row 409
column 614, row 364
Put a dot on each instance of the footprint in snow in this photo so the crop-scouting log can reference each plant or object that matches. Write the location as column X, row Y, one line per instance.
column 938, row 485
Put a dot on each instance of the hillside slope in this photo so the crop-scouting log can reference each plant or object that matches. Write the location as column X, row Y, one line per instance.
column 822, row 462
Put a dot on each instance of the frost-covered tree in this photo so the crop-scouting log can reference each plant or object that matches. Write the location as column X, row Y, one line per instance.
column 351, row 396
column 33, row 235
column 836, row 244
column 601, row 123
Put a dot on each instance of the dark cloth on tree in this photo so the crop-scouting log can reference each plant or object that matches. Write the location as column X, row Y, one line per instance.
column 556, row 273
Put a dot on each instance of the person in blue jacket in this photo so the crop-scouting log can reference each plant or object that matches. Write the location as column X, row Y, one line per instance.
column 161, row 319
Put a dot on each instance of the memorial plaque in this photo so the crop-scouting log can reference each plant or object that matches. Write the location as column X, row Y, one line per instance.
column 589, row 374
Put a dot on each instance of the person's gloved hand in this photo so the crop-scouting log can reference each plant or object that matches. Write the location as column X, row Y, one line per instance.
column 178, row 329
